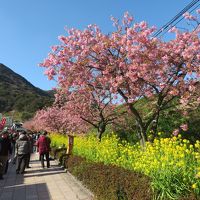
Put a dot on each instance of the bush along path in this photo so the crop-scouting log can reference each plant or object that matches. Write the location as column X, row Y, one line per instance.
column 42, row 184
column 168, row 168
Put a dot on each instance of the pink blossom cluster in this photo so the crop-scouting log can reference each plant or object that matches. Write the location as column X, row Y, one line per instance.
column 188, row 16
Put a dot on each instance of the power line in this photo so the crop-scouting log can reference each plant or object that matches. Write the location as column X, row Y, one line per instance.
column 180, row 14
column 178, row 21
column 175, row 18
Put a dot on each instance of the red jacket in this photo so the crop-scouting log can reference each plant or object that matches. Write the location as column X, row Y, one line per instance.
column 43, row 144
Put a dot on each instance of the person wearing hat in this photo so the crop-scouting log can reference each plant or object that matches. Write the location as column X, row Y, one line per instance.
column 21, row 150
column 5, row 152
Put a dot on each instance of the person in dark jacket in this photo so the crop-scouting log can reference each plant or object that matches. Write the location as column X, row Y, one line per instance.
column 5, row 152
column 22, row 149
column 30, row 140
column 15, row 136
column 43, row 145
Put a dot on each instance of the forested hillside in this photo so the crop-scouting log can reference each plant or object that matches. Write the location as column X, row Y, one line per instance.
column 19, row 95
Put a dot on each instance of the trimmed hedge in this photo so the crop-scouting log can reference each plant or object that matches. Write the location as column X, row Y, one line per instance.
column 110, row 182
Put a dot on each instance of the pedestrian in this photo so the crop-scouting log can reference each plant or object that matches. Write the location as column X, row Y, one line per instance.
column 21, row 150
column 30, row 141
column 14, row 138
column 37, row 138
column 5, row 152
column 34, row 138
column 43, row 145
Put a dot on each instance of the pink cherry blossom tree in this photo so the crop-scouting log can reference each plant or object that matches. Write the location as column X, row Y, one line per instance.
column 55, row 119
column 76, row 111
column 91, row 105
column 130, row 64
column 29, row 125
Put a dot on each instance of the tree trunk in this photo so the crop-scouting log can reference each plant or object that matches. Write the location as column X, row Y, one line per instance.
column 101, row 130
column 156, row 123
column 143, row 137
column 155, row 127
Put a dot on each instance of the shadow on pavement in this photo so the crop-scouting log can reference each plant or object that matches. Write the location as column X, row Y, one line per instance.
column 37, row 191
column 14, row 186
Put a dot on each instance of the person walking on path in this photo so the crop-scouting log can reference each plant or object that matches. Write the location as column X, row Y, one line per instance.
column 15, row 136
column 5, row 152
column 30, row 141
column 43, row 145
column 22, row 148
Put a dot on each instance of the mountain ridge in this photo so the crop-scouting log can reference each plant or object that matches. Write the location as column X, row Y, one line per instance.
column 17, row 93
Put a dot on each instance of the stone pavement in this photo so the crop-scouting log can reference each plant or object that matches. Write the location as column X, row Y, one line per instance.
column 41, row 184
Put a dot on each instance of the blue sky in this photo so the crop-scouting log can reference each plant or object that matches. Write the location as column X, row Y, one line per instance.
column 28, row 28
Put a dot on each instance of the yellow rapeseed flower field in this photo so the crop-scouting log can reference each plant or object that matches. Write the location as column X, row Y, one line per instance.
column 168, row 161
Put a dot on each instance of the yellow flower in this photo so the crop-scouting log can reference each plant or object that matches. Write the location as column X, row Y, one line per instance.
column 191, row 146
column 197, row 145
column 194, row 186
column 159, row 133
column 187, row 151
column 198, row 175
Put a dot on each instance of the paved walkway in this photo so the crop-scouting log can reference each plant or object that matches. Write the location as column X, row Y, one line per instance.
column 41, row 184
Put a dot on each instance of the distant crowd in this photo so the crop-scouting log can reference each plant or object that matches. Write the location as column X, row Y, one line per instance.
column 16, row 148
